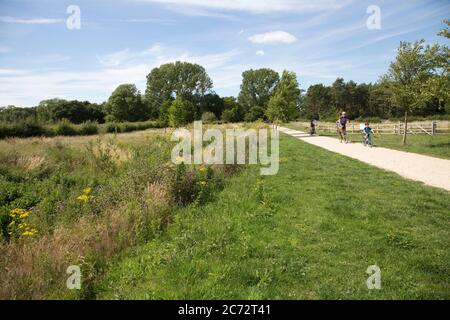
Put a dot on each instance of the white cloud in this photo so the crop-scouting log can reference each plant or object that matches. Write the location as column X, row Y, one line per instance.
column 261, row 6
column 260, row 53
column 273, row 37
column 7, row 19
column 126, row 56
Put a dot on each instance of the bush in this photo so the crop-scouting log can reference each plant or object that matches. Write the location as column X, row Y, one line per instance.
column 65, row 128
column 88, row 128
column 209, row 117
column 112, row 127
column 23, row 129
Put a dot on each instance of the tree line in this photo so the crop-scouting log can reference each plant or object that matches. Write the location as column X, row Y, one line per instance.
column 416, row 83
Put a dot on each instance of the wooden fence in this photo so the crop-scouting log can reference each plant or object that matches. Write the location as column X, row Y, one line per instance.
column 422, row 127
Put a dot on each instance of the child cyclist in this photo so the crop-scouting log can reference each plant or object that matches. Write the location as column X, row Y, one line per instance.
column 368, row 134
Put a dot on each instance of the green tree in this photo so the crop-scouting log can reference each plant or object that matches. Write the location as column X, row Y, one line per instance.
column 418, row 76
column 256, row 90
column 125, row 104
column 178, row 112
column 445, row 32
column 172, row 80
column 232, row 110
column 284, row 104
column 318, row 102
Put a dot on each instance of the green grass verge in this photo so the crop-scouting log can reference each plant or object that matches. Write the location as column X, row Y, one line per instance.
column 309, row 232
column 437, row 145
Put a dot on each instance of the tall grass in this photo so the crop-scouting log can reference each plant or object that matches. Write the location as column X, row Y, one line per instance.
column 88, row 202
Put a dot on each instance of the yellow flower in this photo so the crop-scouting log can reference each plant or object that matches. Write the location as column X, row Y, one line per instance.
column 202, row 169
column 83, row 198
column 87, row 191
column 24, row 215
column 202, row 183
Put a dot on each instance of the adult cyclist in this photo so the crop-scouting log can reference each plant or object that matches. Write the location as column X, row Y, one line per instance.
column 342, row 127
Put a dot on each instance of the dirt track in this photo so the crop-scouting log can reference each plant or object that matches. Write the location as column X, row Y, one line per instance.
column 429, row 170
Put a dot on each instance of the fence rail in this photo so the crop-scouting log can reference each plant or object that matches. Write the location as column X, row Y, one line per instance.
column 423, row 127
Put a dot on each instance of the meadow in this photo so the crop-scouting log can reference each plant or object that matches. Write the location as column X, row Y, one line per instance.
column 81, row 200
column 309, row 232
column 141, row 227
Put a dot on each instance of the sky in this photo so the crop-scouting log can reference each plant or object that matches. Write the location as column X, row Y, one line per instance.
column 45, row 53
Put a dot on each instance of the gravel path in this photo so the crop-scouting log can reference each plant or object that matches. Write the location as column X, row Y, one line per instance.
column 429, row 170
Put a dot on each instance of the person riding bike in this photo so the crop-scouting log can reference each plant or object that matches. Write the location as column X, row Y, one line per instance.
column 368, row 133
column 342, row 127
column 312, row 130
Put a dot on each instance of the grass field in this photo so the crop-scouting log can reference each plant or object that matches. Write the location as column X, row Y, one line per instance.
column 437, row 145
column 83, row 200
column 309, row 232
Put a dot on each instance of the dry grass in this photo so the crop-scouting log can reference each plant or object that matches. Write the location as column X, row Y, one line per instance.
column 35, row 269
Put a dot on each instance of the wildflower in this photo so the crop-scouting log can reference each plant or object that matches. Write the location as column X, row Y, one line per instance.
column 83, row 198
column 24, row 215
column 202, row 183
column 202, row 169
column 17, row 212
column 29, row 233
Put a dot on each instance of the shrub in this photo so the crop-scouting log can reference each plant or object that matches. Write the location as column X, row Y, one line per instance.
column 209, row 117
column 65, row 128
column 89, row 128
column 22, row 130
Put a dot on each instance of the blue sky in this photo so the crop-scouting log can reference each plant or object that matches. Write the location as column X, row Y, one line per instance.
column 121, row 41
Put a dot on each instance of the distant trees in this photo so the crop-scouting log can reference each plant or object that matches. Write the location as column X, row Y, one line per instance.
column 172, row 80
column 416, row 83
column 232, row 110
column 54, row 110
column 317, row 102
column 125, row 104
column 256, row 90
column 284, row 104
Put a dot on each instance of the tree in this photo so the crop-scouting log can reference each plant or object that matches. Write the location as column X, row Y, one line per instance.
column 211, row 102
column 418, row 75
column 75, row 111
column 172, row 80
column 283, row 105
column 318, row 102
column 256, row 89
column 125, row 104
column 232, row 110
column 177, row 113
column 445, row 32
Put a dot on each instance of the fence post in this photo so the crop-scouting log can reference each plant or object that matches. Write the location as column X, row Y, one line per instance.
column 433, row 127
